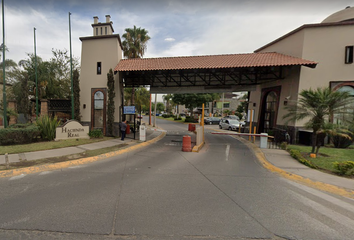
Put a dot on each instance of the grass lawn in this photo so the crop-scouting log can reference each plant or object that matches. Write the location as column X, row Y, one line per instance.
column 326, row 156
column 48, row 145
column 170, row 119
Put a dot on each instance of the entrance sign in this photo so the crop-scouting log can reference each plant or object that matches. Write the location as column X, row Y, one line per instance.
column 129, row 110
column 71, row 130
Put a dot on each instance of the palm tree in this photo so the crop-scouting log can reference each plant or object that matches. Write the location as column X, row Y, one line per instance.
column 318, row 106
column 168, row 99
column 134, row 45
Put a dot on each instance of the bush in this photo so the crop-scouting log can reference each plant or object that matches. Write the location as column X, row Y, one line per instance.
column 96, row 133
column 340, row 141
column 177, row 118
column 47, row 125
column 19, row 134
column 190, row 119
column 297, row 155
column 345, row 168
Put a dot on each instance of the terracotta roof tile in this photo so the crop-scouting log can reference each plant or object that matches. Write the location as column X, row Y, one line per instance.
column 211, row 61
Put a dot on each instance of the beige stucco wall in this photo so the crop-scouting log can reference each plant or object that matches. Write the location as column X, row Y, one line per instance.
column 292, row 45
column 326, row 45
column 289, row 89
column 109, row 53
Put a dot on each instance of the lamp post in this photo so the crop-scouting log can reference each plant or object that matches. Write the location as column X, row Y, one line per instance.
column 3, row 67
column 35, row 67
column 71, row 72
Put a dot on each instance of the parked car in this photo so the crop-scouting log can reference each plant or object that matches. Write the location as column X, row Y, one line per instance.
column 212, row 120
column 230, row 124
column 232, row 117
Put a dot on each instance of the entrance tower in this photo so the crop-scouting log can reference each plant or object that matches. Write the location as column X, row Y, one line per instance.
column 99, row 53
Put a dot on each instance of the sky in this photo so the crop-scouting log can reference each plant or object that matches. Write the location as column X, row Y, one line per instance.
column 176, row 27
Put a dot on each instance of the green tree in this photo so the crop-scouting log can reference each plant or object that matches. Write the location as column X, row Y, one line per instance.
column 193, row 100
column 76, row 90
column 142, row 98
column 169, row 103
column 110, row 107
column 317, row 106
column 10, row 65
column 242, row 107
column 54, row 80
column 134, row 46
column 159, row 107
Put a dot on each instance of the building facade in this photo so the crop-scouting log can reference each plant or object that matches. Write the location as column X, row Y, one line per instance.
column 330, row 44
column 100, row 53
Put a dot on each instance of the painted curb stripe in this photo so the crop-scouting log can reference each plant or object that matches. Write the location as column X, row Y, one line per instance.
column 60, row 165
column 291, row 176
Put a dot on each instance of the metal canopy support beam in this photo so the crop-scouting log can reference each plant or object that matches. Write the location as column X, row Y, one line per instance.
column 210, row 78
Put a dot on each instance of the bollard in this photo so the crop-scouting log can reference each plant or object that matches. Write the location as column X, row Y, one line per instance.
column 187, row 144
column 7, row 160
column 263, row 141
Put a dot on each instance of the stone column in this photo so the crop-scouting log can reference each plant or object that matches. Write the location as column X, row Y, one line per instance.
column 12, row 105
column 44, row 107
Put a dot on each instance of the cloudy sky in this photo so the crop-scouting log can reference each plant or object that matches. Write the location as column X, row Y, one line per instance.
column 176, row 27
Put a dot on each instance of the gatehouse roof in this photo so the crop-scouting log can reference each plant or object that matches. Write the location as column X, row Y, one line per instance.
column 266, row 59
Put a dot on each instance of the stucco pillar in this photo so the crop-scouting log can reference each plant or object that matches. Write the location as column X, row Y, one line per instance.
column 12, row 105
column 44, row 107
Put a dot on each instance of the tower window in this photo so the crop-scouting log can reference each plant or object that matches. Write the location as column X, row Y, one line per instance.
column 99, row 68
column 105, row 30
column 349, row 54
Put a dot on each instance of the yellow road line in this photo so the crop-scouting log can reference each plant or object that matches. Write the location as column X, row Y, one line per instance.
column 61, row 165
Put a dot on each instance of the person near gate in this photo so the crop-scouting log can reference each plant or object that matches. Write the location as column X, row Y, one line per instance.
column 123, row 127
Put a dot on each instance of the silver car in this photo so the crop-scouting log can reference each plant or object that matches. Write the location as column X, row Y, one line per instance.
column 230, row 124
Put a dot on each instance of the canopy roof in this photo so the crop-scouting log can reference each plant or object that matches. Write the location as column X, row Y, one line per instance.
column 213, row 73
column 267, row 59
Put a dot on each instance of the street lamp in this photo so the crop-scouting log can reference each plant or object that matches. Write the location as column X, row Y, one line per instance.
column 3, row 67
column 71, row 73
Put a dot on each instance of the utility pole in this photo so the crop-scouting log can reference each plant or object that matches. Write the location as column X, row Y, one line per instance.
column 3, row 67
column 71, row 73
column 35, row 67
column 155, row 110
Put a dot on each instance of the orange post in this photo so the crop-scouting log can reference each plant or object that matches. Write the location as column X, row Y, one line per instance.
column 186, row 144
column 251, row 119
column 254, row 137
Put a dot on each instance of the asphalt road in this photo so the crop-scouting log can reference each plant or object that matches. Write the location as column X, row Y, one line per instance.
column 160, row 192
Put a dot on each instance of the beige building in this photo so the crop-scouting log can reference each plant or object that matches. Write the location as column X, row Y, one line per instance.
column 330, row 44
column 100, row 53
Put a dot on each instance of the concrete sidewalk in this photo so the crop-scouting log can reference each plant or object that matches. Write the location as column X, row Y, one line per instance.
column 151, row 133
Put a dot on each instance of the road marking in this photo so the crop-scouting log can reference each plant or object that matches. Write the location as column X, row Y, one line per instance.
column 323, row 210
column 17, row 177
column 227, row 152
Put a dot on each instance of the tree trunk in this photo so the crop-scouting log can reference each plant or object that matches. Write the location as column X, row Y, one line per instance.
column 314, row 138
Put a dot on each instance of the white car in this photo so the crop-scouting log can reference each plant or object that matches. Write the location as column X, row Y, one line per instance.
column 230, row 124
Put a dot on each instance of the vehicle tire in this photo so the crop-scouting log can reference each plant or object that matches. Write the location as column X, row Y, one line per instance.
column 230, row 129
column 220, row 127
column 210, row 123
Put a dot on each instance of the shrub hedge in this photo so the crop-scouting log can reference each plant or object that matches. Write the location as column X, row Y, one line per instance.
column 96, row 133
column 19, row 134
column 345, row 168
column 297, row 155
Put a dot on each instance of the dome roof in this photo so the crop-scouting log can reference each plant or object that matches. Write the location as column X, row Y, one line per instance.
column 346, row 14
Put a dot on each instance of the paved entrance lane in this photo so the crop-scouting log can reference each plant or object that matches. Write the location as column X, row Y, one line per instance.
column 160, row 192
